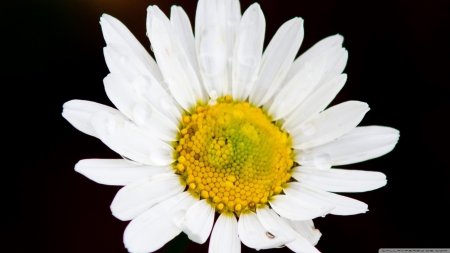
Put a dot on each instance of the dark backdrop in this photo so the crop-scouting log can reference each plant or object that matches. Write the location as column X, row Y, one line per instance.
column 52, row 53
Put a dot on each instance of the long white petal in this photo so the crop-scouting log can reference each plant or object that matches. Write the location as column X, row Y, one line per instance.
column 298, row 209
column 248, row 51
column 360, row 144
column 198, row 221
column 139, row 196
column 182, row 26
column 273, row 223
column 277, row 60
column 329, row 125
column 339, row 180
column 128, row 100
column 254, row 235
column 315, row 51
column 173, row 61
column 232, row 19
column 116, row 32
column 116, row 171
column 79, row 113
column 306, row 229
column 224, row 237
column 343, row 205
column 211, row 45
column 294, row 92
column 151, row 230
column 128, row 140
column 316, row 102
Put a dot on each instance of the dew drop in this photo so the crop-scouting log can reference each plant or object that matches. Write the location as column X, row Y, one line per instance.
column 142, row 84
column 213, row 94
column 110, row 125
column 322, row 161
column 247, row 61
column 124, row 59
column 160, row 157
column 142, row 114
column 308, row 129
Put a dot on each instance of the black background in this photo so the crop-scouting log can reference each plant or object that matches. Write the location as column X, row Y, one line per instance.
column 52, row 52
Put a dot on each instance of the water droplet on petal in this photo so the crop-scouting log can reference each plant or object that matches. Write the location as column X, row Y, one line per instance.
column 142, row 114
column 124, row 59
column 110, row 125
column 213, row 94
column 308, row 129
column 247, row 61
column 142, row 84
column 322, row 161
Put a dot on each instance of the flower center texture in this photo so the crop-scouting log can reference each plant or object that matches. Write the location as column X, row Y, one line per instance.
column 233, row 155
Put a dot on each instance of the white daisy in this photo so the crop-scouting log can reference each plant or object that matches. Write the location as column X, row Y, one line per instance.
column 218, row 126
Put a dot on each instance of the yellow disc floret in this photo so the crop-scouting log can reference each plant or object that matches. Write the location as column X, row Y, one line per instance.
column 232, row 155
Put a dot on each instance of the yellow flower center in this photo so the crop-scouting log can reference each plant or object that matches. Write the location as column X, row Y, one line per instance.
column 233, row 155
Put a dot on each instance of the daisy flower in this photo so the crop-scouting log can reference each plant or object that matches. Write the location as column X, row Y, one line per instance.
column 217, row 127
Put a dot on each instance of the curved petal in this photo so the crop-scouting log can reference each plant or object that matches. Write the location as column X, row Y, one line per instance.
column 339, row 180
column 277, row 60
column 80, row 112
column 248, row 51
column 116, row 32
column 254, row 235
column 306, row 229
column 116, row 171
column 126, row 139
column 315, row 51
column 273, row 223
column 224, row 237
column 173, row 61
column 294, row 92
column 316, row 102
column 139, row 196
column 343, row 205
column 198, row 221
column 298, row 209
column 147, row 117
column 329, row 125
column 360, row 144
column 151, row 230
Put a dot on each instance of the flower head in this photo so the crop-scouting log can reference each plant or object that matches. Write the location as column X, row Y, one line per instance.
column 216, row 126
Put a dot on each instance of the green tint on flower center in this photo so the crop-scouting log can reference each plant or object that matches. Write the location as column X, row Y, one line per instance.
column 233, row 155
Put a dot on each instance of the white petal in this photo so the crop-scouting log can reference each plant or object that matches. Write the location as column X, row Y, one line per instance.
column 126, row 139
column 139, row 196
column 183, row 29
column 254, row 235
column 248, row 51
column 273, row 223
column 198, row 221
column 151, row 230
column 277, row 60
column 329, row 125
column 339, row 180
column 116, row 32
column 116, row 171
column 173, row 61
column 306, row 229
column 360, row 144
column 298, row 209
column 316, row 102
column 294, row 92
column 232, row 19
column 315, row 51
column 128, row 100
column 79, row 113
column 224, row 237
column 343, row 205
column 335, row 66
column 211, row 45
